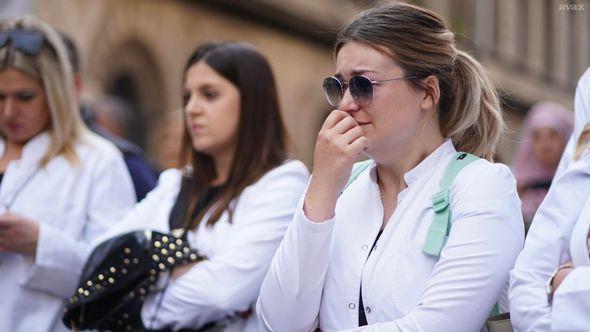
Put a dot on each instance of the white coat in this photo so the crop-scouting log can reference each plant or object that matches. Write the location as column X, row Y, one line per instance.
column 239, row 253
column 73, row 204
column 317, row 271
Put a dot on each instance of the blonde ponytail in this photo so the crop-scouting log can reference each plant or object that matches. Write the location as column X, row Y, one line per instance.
column 474, row 119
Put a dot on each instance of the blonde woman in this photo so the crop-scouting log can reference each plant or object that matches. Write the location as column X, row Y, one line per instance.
column 549, row 284
column 356, row 257
column 61, row 186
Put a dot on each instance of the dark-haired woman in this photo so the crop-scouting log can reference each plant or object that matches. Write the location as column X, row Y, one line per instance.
column 375, row 255
column 241, row 195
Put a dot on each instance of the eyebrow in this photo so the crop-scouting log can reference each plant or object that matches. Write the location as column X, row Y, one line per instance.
column 357, row 72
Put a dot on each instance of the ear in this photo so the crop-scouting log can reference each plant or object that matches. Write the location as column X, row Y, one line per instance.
column 432, row 93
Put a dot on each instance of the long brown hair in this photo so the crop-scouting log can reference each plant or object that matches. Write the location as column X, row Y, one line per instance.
column 420, row 41
column 262, row 138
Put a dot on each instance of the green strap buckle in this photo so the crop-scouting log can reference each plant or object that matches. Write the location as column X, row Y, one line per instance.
column 441, row 201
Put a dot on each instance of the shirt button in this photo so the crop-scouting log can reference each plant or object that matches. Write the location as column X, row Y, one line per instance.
column 364, row 247
column 368, row 310
column 351, row 306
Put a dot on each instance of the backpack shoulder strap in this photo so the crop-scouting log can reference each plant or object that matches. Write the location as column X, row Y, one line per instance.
column 357, row 169
column 441, row 225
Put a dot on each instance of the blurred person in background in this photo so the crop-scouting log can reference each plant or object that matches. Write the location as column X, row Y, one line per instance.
column 546, row 129
column 61, row 185
column 235, row 198
column 111, row 118
column 115, row 115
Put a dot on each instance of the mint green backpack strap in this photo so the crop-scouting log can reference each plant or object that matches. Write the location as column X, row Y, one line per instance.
column 441, row 225
column 357, row 169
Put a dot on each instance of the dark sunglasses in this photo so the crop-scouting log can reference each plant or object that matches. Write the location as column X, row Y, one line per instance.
column 361, row 88
column 28, row 42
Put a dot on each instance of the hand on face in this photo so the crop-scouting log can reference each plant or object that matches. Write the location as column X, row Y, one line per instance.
column 340, row 141
column 18, row 234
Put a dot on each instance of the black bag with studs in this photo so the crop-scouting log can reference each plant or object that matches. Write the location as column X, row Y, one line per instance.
column 118, row 276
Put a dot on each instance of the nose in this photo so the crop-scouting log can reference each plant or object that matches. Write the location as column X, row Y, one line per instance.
column 192, row 106
column 348, row 104
column 9, row 108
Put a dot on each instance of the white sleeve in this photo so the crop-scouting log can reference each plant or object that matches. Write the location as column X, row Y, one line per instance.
column 547, row 247
column 60, row 256
column 292, row 289
column 571, row 302
column 229, row 281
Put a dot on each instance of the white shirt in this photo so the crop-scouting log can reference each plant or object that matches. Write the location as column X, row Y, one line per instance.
column 73, row 204
column 547, row 247
column 239, row 253
column 317, row 271
column 571, row 302
column 581, row 118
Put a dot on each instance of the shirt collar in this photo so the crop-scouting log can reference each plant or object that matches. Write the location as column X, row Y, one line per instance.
column 34, row 149
column 434, row 160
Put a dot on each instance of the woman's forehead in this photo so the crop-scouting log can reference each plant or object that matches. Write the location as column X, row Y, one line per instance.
column 356, row 59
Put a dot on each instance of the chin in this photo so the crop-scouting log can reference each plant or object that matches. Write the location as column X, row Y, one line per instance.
column 202, row 147
column 19, row 139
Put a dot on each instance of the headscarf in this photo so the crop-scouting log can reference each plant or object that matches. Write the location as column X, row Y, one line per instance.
column 527, row 168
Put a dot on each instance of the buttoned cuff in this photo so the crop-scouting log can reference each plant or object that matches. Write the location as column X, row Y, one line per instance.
column 308, row 226
column 58, row 263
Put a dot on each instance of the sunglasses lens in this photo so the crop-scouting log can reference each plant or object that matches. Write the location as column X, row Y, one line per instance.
column 28, row 42
column 333, row 90
column 361, row 89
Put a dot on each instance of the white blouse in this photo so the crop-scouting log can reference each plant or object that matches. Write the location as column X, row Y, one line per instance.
column 317, row 272
column 73, row 204
column 239, row 253
column 547, row 247
column 571, row 302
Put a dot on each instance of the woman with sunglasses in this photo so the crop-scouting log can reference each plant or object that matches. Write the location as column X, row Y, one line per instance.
column 61, row 186
column 358, row 255
column 235, row 200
